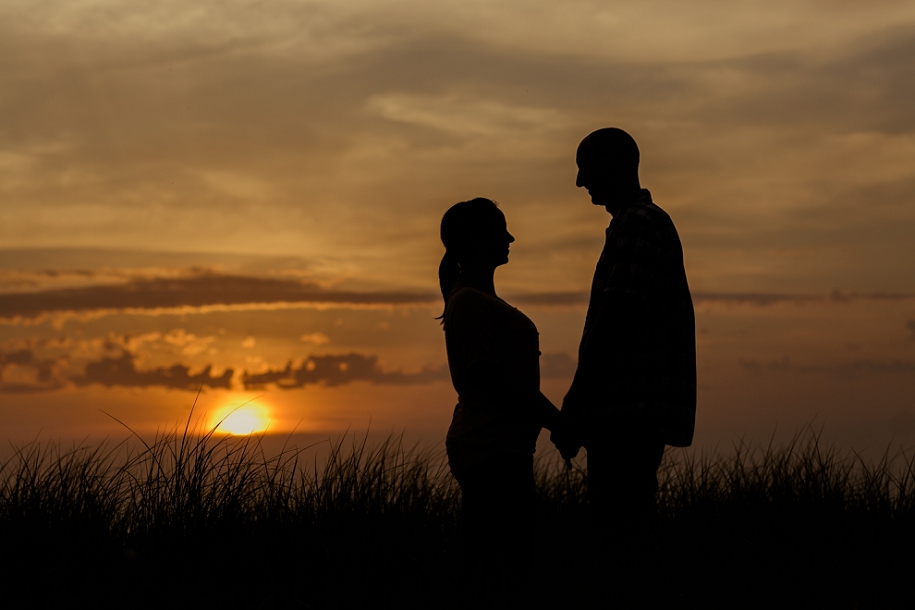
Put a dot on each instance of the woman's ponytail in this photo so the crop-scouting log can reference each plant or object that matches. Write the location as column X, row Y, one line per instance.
column 448, row 273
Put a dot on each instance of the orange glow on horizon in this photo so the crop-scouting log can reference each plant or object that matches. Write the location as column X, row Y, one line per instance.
column 241, row 420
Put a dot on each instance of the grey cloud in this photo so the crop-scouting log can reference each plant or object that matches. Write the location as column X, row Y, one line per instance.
column 143, row 128
column 200, row 291
column 550, row 299
column 93, row 262
column 246, row 110
column 335, row 370
column 209, row 289
column 22, row 356
column 270, row 92
column 758, row 299
column 864, row 87
column 42, row 373
column 579, row 299
column 442, row 63
column 558, row 364
column 281, row 104
column 757, row 367
column 880, row 79
column 122, row 371
column 843, row 369
column 765, row 299
column 838, row 233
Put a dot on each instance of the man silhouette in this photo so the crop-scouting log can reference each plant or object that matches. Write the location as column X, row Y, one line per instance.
column 635, row 387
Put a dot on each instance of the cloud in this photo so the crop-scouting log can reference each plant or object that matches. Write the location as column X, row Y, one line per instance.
column 335, row 370
column 465, row 117
column 757, row 367
column 558, row 365
column 762, row 299
column 316, row 338
column 122, row 371
column 174, row 134
column 550, row 299
column 757, row 299
column 194, row 291
column 22, row 371
column 842, row 369
column 189, row 293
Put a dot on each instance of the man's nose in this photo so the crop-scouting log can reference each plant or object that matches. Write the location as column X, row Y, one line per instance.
column 511, row 238
column 578, row 181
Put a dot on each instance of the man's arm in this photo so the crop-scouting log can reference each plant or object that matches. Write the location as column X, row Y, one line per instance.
column 617, row 315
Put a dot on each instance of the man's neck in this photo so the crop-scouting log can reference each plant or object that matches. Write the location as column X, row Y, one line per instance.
column 625, row 200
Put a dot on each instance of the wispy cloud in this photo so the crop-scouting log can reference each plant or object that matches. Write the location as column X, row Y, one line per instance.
column 467, row 117
column 188, row 293
column 756, row 299
column 848, row 368
column 184, row 294
column 763, row 299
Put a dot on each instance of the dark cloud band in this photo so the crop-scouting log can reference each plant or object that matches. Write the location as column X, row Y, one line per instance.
column 212, row 290
column 841, row 369
column 335, row 370
column 190, row 292
column 121, row 370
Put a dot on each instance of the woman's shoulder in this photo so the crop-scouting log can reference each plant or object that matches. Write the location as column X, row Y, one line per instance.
column 467, row 297
column 469, row 294
column 470, row 302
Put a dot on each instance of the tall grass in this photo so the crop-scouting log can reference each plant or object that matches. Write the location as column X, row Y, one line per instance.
column 188, row 518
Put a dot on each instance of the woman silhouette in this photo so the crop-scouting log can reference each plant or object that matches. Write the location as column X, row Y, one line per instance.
column 494, row 359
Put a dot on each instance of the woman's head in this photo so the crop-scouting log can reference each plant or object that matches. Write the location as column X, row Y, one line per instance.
column 475, row 236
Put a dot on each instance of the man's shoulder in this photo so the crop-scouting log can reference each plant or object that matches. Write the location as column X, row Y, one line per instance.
column 648, row 220
column 647, row 211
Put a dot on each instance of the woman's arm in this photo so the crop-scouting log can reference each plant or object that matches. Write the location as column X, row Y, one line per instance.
column 490, row 379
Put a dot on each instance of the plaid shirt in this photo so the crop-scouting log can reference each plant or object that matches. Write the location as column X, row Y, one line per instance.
column 638, row 351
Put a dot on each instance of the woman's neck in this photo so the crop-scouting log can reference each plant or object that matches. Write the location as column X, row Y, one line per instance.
column 481, row 279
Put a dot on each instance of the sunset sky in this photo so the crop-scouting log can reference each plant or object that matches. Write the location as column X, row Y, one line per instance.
column 245, row 197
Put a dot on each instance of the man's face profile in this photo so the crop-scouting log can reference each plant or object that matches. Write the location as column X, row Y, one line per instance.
column 596, row 175
column 608, row 162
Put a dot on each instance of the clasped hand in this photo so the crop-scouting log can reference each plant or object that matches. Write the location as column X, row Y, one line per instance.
column 566, row 439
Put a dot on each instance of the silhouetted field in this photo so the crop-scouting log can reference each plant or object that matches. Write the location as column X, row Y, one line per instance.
column 198, row 522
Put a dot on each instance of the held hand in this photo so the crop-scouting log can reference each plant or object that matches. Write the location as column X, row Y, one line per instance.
column 565, row 441
column 567, row 450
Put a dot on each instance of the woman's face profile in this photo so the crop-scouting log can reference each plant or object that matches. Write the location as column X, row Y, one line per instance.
column 493, row 245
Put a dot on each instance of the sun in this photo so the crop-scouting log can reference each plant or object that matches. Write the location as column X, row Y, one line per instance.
column 248, row 418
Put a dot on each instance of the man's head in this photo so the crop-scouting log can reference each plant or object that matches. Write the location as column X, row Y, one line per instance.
column 608, row 166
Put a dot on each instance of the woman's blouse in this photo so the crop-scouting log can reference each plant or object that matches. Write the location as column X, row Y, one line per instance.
column 484, row 334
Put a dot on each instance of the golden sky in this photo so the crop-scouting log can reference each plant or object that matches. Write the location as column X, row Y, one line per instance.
column 246, row 196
